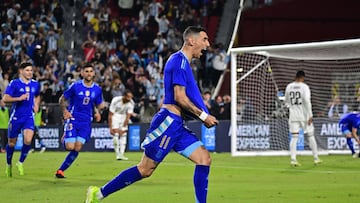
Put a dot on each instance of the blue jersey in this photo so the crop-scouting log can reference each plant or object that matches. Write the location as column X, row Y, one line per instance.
column 24, row 108
column 349, row 121
column 82, row 100
column 178, row 71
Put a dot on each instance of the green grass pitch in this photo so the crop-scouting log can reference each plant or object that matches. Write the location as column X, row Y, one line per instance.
column 232, row 179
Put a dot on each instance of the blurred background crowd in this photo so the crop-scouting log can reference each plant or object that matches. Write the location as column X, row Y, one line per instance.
column 128, row 43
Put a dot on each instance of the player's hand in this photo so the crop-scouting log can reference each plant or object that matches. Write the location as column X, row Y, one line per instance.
column 210, row 121
column 97, row 117
column 36, row 108
column 310, row 121
column 24, row 97
column 67, row 114
column 62, row 138
column 112, row 131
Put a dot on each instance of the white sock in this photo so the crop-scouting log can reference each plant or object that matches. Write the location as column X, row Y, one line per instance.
column 116, row 144
column 293, row 145
column 99, row 195
column 122, row 143
column 313, row 146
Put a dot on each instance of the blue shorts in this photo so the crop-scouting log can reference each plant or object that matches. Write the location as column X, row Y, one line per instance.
column 167, row 132
column 77, row 131
column 17, row 124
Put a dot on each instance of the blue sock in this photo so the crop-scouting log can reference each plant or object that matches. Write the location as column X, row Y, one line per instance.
column 24, row 152
column 70, row 158
column 201, row 182
column 125, row 178
column 42, row 144
column 350, row 144
column 9, row 154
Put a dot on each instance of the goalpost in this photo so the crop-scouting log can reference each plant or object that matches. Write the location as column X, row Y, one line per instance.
column 259, row 76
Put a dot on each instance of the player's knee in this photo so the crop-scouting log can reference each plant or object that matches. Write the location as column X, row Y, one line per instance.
column 146, row 172
column 11, row 144
column 309, row 134
column 206, row 161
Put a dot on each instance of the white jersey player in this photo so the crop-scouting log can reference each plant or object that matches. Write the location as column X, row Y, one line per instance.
column 298, row 99
column 120, row 111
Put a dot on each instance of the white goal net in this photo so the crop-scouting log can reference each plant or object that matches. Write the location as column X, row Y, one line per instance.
column 259, row 76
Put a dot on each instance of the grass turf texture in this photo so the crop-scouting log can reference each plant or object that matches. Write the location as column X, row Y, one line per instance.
column 232, row 179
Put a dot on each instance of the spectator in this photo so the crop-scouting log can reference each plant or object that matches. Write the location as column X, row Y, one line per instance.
column 337, row 108
column 89, row 48
column 118, row 88
column 146, row 110
column 225, row 112
column 144, row 16
column 216, row 106
column 207, row 100
column 219, row 63
column 4, row 120
column 163, row 24
column 46, row 93
column 159, row 42
column 58, row 12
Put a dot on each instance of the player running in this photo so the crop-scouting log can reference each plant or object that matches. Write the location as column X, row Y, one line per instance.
column 24, row 94
column 84, row 97
column 167, row 131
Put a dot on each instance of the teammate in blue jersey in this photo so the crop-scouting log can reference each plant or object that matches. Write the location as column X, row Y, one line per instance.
column 350, row 124
column 24, row 94
column 167, row 131
column 78, row 104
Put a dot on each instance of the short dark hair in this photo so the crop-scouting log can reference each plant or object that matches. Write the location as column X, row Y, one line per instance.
column 24, row 65
column 300, row 74
column 192, row 30
column 87, row 65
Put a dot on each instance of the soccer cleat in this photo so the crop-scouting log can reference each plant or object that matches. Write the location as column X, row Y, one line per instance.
column 121, row 157
column 317, row 161
column 356, row 155
column 295, row 163
column 20, row 168
column 8, row 171
column 59, row 174
column 42, row 149
column 91, row 195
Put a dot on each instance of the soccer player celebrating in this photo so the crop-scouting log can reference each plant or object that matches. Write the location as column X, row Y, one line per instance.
column 350, row 123
column 120, row 111
column 167, row 131
column 298, row 99
column 83, row 98
column 24, row 94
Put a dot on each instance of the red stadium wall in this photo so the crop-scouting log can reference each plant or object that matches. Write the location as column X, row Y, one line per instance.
column 299, row 21
column 295, row 21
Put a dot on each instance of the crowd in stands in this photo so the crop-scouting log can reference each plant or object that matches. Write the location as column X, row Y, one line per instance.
column 128, row 43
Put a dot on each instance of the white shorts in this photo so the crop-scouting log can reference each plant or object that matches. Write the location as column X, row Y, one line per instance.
column 295, row 126
column 118, row 124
